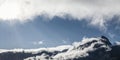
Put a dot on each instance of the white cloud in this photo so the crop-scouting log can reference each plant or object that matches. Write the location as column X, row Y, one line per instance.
column 117, row 42
column 38, row 43
column 99, row 11
column 35, row 51
column 64, row 41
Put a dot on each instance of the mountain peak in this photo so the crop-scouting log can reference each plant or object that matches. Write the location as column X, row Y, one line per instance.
column 105, row 40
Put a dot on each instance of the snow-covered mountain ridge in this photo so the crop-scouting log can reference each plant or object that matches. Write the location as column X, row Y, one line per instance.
column 98, row 48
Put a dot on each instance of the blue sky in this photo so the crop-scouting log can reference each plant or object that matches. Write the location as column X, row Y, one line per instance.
column 49, row 33
column 48, row 23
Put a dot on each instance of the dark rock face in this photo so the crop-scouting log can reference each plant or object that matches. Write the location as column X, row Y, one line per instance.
column 115, row 52
column 14, row 56
column 102, row 50
column 23, row 55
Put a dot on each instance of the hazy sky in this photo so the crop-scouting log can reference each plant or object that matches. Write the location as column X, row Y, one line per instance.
column 48, row 23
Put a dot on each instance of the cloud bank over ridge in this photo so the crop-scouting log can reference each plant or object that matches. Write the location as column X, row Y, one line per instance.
column 87, row 49
column 97, row 12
